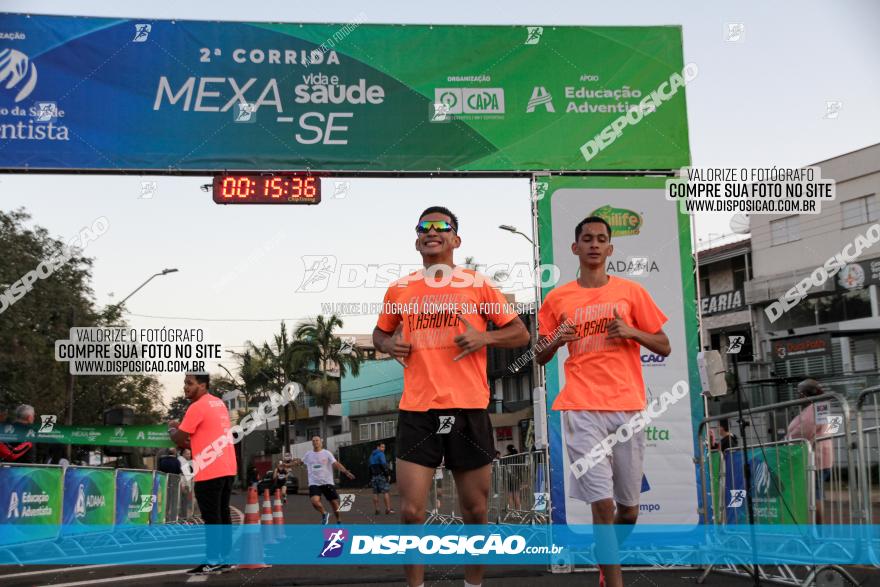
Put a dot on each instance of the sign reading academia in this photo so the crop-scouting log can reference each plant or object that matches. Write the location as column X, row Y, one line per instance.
column 112, row 95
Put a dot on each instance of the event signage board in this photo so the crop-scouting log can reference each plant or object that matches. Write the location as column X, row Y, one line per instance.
column 89, row 499
column 780, row 494
column 134, row 497
column 155, row 436
column 30, row 502
column 160, row 497
column 167, row 96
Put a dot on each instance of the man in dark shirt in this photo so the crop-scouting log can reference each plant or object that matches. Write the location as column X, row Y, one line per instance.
column 169, row 463
column 727, row 439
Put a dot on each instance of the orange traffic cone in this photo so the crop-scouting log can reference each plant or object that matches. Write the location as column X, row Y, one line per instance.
column 278, row 516
column 253, row 542
column 266, row 521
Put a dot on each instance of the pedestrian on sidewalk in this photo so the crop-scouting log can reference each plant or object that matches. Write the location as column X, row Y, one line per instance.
column 380, row 478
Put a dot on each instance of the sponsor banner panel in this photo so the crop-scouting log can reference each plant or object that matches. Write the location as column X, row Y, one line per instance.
column 30, row 503
column 780, row 494
column 89, row 498
column 160, row 498
column 155, row 436
column 134, row 497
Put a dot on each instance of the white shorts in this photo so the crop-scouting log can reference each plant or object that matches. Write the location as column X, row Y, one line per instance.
column 618, row 475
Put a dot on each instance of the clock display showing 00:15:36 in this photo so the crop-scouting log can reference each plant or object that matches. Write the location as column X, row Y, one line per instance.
column 267, row 189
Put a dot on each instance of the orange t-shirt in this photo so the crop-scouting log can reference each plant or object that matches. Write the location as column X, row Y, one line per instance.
column 206, row 421
column 601, row 374
column 430, row 310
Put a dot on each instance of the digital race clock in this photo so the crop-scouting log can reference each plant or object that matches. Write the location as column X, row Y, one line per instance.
column 270, row 188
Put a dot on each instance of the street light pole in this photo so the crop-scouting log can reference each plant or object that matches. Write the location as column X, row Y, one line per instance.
column 71, row 378
column 533, row 317
column 513, row 229
column 149, row 279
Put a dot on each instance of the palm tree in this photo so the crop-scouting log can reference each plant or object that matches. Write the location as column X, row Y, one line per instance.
column 251, row 382
column 283, row 362
column 316, row 344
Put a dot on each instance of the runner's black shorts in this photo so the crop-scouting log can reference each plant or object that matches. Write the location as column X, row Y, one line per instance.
column 328, row 491
column 462, row 439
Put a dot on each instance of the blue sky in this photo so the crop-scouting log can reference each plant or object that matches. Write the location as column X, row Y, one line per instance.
column 757, row 102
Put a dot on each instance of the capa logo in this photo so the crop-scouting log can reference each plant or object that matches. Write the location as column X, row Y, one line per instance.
column 471, row 100
column 17, row 71
column 483, row 102
column 334, row 540
column 623, row 222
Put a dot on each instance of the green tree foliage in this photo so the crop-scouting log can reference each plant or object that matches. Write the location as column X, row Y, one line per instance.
column 30, row 326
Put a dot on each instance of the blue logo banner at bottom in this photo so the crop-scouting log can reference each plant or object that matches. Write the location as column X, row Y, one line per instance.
column 455, row 545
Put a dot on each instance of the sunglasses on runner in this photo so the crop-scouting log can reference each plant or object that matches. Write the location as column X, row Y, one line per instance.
column 439, row 225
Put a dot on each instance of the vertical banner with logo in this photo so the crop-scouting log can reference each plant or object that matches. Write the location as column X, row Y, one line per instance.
column 89, row 499
column 651, row 247
column 30, row 503
column 134, row 497
column 780, row 494
column 160, row 498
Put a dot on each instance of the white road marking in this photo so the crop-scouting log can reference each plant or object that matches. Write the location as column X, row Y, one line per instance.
column 55, row 570
column 117, row 579
column 197, row 579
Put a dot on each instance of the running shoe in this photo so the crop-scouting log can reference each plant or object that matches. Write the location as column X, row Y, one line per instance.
column 325, row 518
column 206, row 569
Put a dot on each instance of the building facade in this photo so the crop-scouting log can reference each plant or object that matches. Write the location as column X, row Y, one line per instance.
column 835, row 330
column 723, row 273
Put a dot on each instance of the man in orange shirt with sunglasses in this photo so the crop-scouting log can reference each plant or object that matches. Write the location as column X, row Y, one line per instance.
column 434, row 322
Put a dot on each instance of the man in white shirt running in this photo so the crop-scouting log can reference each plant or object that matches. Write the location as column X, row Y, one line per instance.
column 320, row 463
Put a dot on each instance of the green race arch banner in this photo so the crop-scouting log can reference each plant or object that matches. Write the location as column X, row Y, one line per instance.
column 169, row 96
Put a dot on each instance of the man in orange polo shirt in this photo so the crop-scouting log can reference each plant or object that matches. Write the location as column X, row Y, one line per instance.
column 434, row 321
column 604, row 320
column 206, row 428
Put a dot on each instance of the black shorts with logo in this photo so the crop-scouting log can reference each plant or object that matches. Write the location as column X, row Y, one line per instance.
column 460, row 438
column 328, row 491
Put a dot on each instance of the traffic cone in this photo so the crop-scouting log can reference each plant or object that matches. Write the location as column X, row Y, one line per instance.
column 267, row 523
column 278, row 516
column 253, row 541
